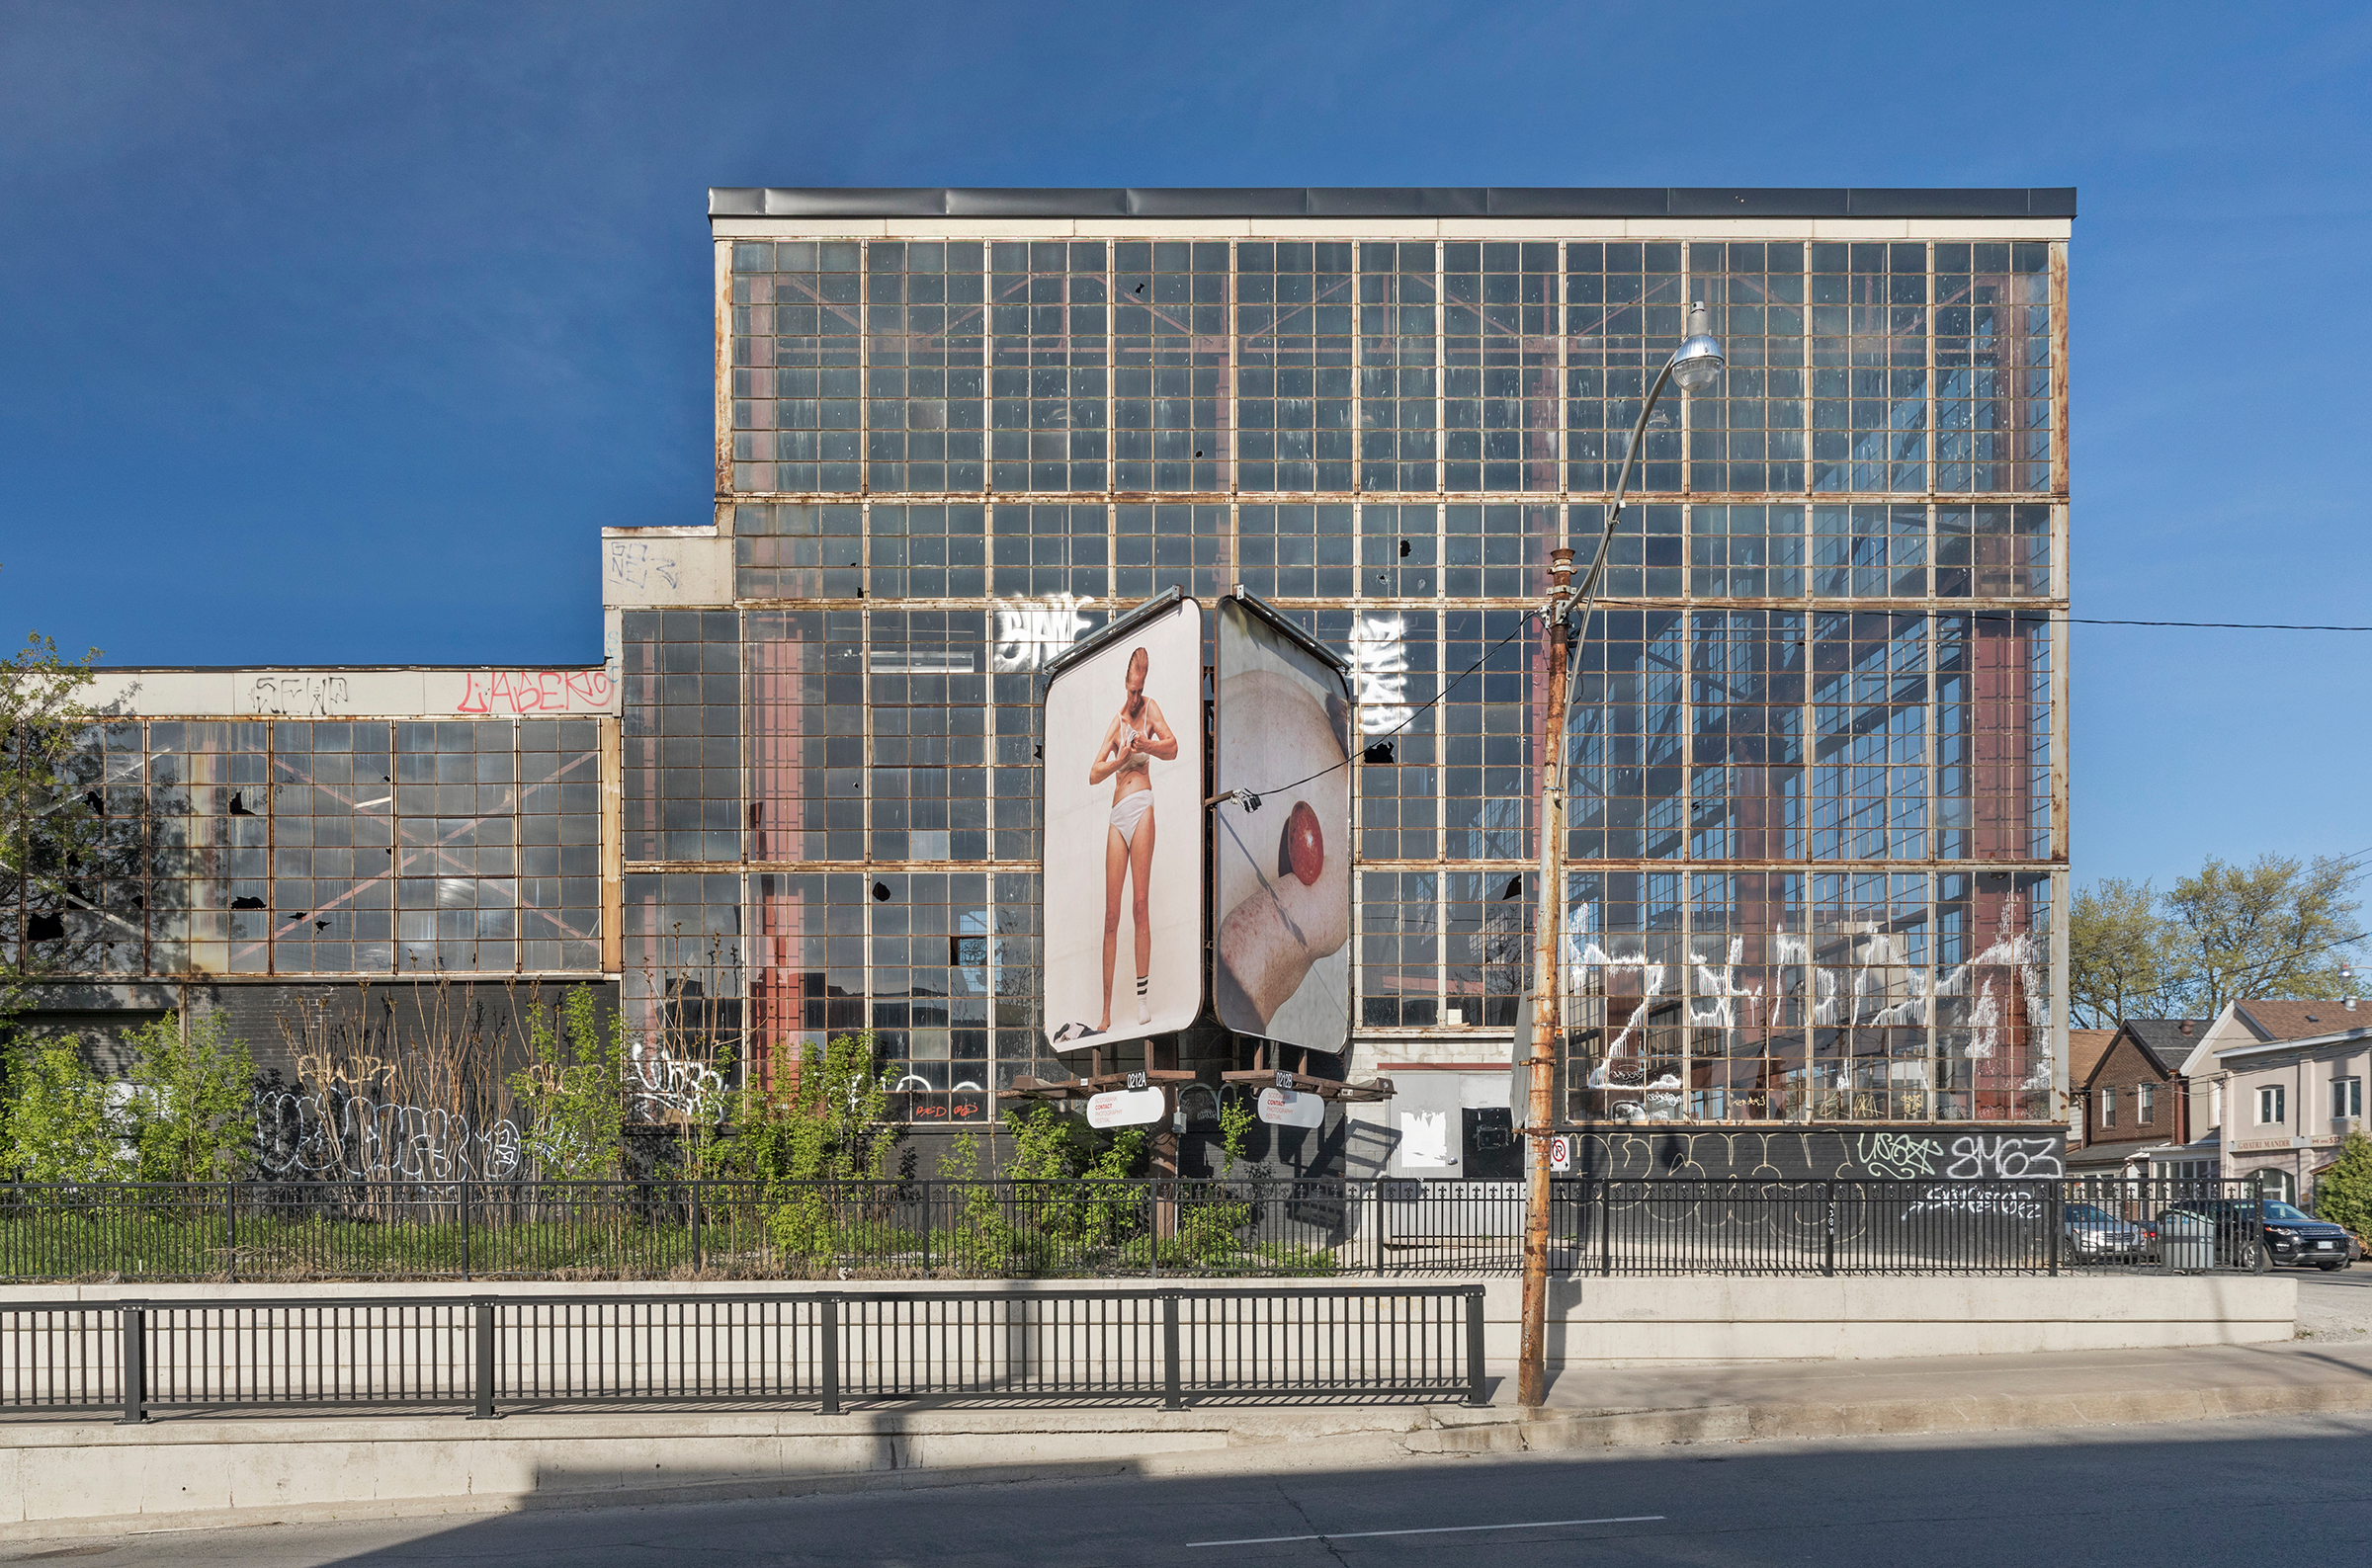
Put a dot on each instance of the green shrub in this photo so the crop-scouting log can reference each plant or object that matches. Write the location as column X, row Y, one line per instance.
column 58, row 1125
column 2344, row 1194
column 191, row 1106
column 575, row 1088
column 826, row 1126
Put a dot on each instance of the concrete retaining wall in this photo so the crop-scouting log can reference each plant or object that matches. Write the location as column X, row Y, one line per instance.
column 1631, row 1322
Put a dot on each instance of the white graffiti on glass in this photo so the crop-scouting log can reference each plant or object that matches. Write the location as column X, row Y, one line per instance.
column 1882, row 988
column 1030, row 631
column 667, row 1088
column 301, row 1137
column 1380, row 669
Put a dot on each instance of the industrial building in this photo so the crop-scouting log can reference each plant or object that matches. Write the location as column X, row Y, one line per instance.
column 1818, row 804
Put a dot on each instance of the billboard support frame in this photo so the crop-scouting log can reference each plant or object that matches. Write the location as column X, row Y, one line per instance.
column 1160, row 603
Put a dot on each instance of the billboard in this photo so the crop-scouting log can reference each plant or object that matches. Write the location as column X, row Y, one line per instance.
column 1284, row 903
column 1123, row 885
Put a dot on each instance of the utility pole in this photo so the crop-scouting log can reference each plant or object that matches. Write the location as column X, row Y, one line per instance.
column 1547, row 1024
column 1696, row 364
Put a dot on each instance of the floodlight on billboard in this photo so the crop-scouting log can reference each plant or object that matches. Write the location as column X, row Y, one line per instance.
column 1282, row 831
column 1123, row 882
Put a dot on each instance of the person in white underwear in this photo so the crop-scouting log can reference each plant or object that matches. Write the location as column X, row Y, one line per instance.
column 1138, row 736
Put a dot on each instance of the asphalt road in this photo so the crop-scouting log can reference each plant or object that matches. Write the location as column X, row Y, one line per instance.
column 2207, row 1492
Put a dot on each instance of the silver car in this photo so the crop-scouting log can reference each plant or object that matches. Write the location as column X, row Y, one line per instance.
column 2094, row 1232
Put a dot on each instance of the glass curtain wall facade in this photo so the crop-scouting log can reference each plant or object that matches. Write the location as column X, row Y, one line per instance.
column 252, row 848
column 1817, row 803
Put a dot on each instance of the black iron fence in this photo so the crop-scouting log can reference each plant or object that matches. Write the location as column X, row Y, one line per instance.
column 885, row 1231
column 495, row 1354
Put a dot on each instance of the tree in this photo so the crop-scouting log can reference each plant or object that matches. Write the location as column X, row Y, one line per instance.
column 575, row 1088
column 2279, row 926
column 2344, row 1194
column 56, row 1125
column 826, row 1121
column 2276, row 926
column 48, row 829
column 2124, row 957
column 193, row 1101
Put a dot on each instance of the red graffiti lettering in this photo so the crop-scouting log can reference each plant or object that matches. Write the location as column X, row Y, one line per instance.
column 493, row 692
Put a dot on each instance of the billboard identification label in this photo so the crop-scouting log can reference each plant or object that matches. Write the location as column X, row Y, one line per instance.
column 1123, row 885
column 1124, row 1108
column 1290, row 1108
column 1284, row 902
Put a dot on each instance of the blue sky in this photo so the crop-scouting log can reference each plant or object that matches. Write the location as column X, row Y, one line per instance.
column 333, row 334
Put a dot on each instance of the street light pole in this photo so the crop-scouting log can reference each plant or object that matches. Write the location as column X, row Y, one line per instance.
column 1696, row 364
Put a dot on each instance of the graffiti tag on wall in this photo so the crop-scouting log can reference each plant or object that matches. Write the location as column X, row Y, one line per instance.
column 1030, row 632
column 637, row 564
column 511, row 691
column 301, row 1137
column 293, row 696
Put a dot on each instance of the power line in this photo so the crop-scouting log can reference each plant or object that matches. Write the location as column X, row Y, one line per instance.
column 1415, row 713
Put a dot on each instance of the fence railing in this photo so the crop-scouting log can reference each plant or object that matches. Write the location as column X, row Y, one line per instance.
column 889, row 1230
column 493, row 1354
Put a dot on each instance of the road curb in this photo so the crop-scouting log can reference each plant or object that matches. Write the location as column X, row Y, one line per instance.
column 1887, row 1418
column 961, row 1451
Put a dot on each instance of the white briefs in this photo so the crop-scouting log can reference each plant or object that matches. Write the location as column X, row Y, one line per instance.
column 1128, row 811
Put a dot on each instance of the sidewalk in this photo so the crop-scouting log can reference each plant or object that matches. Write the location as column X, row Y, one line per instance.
column 81, row 1478
column 1962, row 1394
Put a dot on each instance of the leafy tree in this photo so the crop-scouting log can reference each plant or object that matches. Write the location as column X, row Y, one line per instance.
column 574, row 1088
column 2344, row 1194
column 802, row 1133
column 2276, row 926
column 2279, row 926
column 56, row 1125
column 824, row 1121
column 2123, row 956
column 192, row 1105
column 48, row 830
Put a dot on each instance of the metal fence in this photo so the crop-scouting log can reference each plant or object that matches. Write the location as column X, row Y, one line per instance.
column 493, row 1354
column 887, row 1231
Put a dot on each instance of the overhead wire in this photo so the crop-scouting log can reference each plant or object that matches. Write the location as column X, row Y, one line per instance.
column 1604, row 607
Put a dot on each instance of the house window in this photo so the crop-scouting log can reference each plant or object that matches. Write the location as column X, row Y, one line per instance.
column 2108, row 1107
column 2272, row 1105
column 2147, row 1097
column 2346, row 1097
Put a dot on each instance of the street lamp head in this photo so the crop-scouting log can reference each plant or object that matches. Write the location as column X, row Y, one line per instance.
column 1697, row 367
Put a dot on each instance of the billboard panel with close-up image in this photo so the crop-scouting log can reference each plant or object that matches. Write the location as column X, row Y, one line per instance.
column 1284, row 909
column 1124, row 834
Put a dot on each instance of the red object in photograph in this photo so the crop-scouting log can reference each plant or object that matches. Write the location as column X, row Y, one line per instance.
column 1305, row 844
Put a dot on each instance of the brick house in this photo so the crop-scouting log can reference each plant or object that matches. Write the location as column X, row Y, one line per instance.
column 2130, row 1100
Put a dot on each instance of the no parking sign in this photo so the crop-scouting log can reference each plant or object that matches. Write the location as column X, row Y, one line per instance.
column 1560, row 1154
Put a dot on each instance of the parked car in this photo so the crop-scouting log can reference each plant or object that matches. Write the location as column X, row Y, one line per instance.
column 2290, row 1236
column 2093, row 1232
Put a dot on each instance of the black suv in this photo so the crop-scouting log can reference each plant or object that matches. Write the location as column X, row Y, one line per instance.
column 2291, row 1235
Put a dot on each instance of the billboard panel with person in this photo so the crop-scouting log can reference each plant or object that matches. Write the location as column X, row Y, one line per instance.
column 1284, row 908
column 1123, row 885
